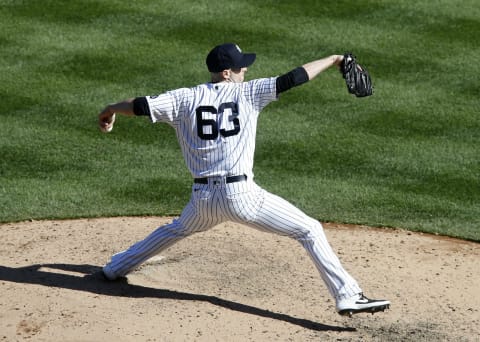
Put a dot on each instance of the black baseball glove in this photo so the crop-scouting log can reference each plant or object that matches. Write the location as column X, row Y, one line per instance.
column 356, row 77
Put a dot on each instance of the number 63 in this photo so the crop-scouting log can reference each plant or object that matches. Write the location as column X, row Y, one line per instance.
column 212, row 133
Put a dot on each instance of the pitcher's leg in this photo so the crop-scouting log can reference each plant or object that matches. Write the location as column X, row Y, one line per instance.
column 339, row 282
column 279, row 216
column 160, row 239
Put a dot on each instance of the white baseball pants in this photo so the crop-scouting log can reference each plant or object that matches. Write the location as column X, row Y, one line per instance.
column 246, row 203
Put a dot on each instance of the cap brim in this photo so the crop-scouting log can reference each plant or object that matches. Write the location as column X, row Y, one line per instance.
column 247, row 60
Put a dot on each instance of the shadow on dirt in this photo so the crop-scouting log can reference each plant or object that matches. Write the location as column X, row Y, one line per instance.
column 87, row 278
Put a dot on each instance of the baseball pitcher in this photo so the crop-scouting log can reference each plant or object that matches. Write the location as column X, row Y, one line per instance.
column 215, row 124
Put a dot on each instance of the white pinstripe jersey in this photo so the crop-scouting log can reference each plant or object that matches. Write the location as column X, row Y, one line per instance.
column 215, row 123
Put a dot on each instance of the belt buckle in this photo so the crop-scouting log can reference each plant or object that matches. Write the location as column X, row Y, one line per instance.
column 218, row 180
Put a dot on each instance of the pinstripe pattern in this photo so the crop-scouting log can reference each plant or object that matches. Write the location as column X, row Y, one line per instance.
column 218, row 156
column 246, row 203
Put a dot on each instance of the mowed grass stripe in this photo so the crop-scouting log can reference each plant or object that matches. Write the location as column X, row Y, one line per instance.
column 406, row 157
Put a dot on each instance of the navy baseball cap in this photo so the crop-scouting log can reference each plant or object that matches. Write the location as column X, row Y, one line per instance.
column 228, row 56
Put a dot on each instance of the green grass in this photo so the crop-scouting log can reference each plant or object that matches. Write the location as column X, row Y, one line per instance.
column 406, row 157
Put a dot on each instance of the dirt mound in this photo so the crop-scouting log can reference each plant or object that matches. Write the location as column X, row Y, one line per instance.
column 231, row 283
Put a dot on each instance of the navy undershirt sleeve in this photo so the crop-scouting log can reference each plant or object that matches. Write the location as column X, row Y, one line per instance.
column 140, row 107
column 291, row 79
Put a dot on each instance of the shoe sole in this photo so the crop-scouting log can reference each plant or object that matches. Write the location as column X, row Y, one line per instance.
column 372, row 310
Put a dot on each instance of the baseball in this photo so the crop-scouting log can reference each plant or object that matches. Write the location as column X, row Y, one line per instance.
column 109, row 127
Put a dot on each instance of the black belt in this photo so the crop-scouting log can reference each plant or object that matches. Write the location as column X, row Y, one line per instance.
column 228, row 179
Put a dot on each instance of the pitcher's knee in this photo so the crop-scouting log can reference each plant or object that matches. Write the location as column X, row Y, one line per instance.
column 312, row 232
column 176, row 228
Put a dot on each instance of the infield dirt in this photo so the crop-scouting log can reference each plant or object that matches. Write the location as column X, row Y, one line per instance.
column 231, row 283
